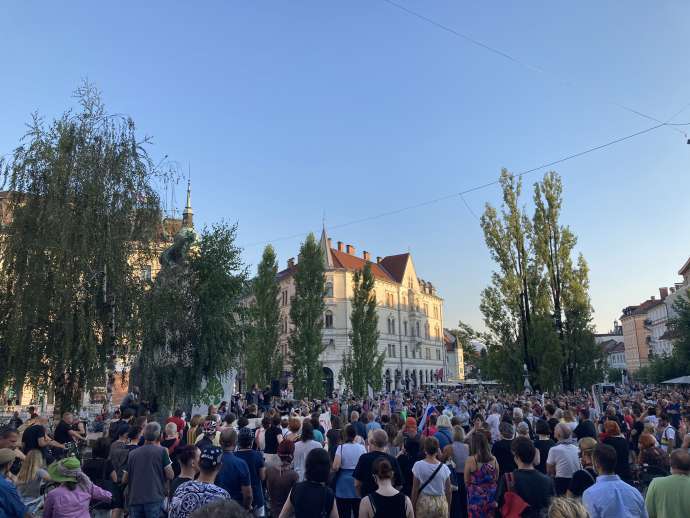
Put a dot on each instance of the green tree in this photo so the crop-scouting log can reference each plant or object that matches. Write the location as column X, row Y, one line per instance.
column 362, row 361
column 263, row 359
column 195, row 321
column 306, row 314
column 84, row 219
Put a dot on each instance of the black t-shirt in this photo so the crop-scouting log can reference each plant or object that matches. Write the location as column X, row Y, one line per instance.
column 31, row 436
column 585, row 429
column 98, row 469
column 61, row 434
column 335, row 438
column 311, row 500
column 363, row 471
column 534, row 487
column 406, row 463
column 177, row 482
column 504, row 457
column 622, row 453
column 582, row 479
column 543, row 446
column 271, row 439
column 638, row 426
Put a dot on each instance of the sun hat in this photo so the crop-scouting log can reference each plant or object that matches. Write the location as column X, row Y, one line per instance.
column 69, row 470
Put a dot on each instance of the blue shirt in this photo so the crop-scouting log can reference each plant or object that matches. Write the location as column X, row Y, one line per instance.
column 255, row 461
column 373, row 426
column 610, row 497
column 233, row 474
column 444, row 437
column 11, row 505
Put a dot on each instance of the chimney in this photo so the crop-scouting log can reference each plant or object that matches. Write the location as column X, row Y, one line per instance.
column 663, row 293
column 350, row 249
column 330, row 243
column 379, row 259
column 366, row 256
column 291, row 262
column 340, row 246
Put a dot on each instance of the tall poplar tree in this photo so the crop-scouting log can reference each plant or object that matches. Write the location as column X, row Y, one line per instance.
column 84, row 216
column 306, row 314
column 362, row 361
column 263, row 359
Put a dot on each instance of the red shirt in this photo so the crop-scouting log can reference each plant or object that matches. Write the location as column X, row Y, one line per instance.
column 179, row 422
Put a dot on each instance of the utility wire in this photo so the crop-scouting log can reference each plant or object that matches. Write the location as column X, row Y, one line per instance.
column 461, row 194
column 518, row 61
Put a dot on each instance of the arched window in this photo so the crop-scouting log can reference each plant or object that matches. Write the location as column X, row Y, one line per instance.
column 329, row 289
column 405, row 327
column 328, row 321
column 418, row 329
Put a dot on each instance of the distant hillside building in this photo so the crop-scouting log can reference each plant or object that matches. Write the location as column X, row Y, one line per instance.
column 410, row 314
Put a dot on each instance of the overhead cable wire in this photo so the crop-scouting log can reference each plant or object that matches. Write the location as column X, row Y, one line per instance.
column 475, row 188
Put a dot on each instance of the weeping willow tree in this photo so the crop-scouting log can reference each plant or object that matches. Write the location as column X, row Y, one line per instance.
column 194, row 319
column 82, row 217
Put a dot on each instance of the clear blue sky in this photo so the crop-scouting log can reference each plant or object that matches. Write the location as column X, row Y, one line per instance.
column 290, row 109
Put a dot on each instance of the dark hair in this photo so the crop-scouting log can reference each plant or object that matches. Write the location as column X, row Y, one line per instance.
column 266, row 422
column 335, row 422
column 350, row 433
column 275, row 420
column 242, row 422
column 133, row 432
column 412, row 446
column 523, row 449
column 229, row 418
column 186, row 453
column 364, row 418
column 317, row 467
column 584, row 412
column 307, row 431
column 548, row 407
column 433, row 419
column 605, row 457
column 382, row 468
column 101, row 448
column 542, row 427
column 220, row 508
column 6, row 431
column 680, row 460
column 315, row 420
column 127, row 414
column 178, row 412
column 479, row 446
column 431, row 445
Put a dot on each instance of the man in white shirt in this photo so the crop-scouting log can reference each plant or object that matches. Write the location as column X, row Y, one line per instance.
column 494, row 420
column 667, row 434
column 563, row 459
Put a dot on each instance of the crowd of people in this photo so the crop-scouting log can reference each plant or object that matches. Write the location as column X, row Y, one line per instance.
column 425, row 454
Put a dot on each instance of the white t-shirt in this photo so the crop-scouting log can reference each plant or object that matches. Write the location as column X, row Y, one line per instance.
column 565, row 457
column 350, row 453
column 668, row 436
column 493, row 421
column 302, row 449
column 422, row 470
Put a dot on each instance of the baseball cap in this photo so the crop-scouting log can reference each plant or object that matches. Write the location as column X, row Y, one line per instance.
column 210, row 457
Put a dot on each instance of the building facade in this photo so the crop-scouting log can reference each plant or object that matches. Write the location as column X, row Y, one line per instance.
column 636, row 334
column 410, row 316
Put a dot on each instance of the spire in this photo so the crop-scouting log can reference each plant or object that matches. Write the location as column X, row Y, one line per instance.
column 188, row 213
column 325, row 244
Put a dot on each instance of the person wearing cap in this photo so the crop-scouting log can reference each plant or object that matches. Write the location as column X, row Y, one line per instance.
column 75, row 493
column 148, row 468
column 11, row 504
column 195, row 494
column 255, row 463
column 210, row 435
column 234, row 473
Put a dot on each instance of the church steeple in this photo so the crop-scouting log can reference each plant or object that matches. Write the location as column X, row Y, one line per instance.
column 188, row 213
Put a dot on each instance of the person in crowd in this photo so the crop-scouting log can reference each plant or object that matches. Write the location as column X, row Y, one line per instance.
column 494, row 420
column 9, row 439
column 562, row 507
column 30, row 478
column 535, row 488
column 102, row 473
column 569, row 420
column 35, row 437
column 386, row 501
column 318, row 431
column 210, row 435
column 444, row 431
column 234, row 474
column 272, row 439
column 294, row 426
column 75, row 493
column 563, row 459
column 172, row 441
column 585, row 477
column 481, row 477
column 148, row 468
column 406, row 460
column 585, row 427
column 502, row 449
column 281, row 479
column 431, row 426
column 134, row 437
column 303, row 447
column 344, row 463
column 667, row 434
column 312, row 497
column 616, row 439
column 431, row 491
column 543, row 443
column 177, row 419
column 11, row 505
column 610, row 496
column 220, row 508
column 372, row 423
column 458, row 452
column 360, row 427
column 364, row 475
column 257, row 470
column 193, row 429
column 670, row 496
column 393, row 448
column 195, row 494
column 188, row 457
column 650, row 454
column 334, row 436
column 260, row 433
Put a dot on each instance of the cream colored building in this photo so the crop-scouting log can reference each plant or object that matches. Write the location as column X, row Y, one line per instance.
column 410, row 316
column 636, row 334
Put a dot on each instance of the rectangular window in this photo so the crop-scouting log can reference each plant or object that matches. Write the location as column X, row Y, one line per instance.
column 406, row 353
column 426, row 309
column 428, row 354
column 438, row 354
column 285, row 298
column 405, row 327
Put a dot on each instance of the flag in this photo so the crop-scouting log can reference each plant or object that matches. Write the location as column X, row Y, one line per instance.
column 425, row 416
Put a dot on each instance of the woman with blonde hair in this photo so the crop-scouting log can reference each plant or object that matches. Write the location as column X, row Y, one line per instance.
column 567, row 508
column 585, row 477
column 193, row 429
column 30, row 478
column 294, row 426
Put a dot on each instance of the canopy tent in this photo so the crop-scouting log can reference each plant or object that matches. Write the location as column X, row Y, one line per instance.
column 683, row 380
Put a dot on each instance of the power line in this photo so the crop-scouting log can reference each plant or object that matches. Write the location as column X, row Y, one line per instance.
column 516, row 60
column 477, row 187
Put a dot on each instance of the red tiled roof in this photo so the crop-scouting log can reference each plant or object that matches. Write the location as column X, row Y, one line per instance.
column 351, row 262
column 395, row 264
